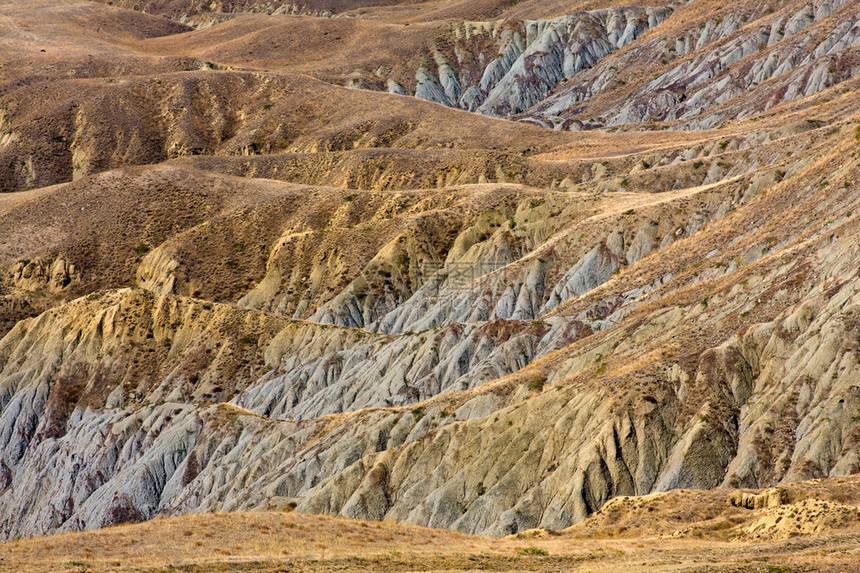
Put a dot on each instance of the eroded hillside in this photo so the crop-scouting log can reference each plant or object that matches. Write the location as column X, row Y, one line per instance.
column 237, row 273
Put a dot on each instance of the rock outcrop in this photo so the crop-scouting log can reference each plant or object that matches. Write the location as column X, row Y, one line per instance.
column 531, row 59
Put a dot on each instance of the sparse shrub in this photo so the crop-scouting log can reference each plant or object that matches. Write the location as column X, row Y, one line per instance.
column 535, row 551
column 537, row 383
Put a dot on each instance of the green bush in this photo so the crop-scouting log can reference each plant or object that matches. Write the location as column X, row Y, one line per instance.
column 534, row 551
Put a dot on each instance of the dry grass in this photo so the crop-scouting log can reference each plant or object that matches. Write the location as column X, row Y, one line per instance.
column 681, row 531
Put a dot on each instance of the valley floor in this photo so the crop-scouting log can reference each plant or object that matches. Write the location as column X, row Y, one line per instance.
column 271, row 541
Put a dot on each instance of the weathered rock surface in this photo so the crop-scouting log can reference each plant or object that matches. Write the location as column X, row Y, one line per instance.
column 721, row 69
column 498, row 445
column 531, row 59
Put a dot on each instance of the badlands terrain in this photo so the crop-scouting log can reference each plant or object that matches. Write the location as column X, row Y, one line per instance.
column 580, row 276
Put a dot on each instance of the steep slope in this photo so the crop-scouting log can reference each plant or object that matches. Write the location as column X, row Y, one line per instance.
column 530, row 59
column 730, row 375
column 722, row 65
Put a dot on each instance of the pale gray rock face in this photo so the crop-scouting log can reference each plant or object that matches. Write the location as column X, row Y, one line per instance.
column 795, row 52
column 522, row 299
column 471, row 98
column 448, row 78
column 396, row 88
column 559, row 49
column 497, row 69
column 547, row 68
column 631, row 454
column 615, row 243
column 643, row 243
column 429, row 87
column 787, row 50
column 402, row 371
column 533, row 60
column 589, row 272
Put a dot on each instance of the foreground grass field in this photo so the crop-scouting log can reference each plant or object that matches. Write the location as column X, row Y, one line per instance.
column 799, row 528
